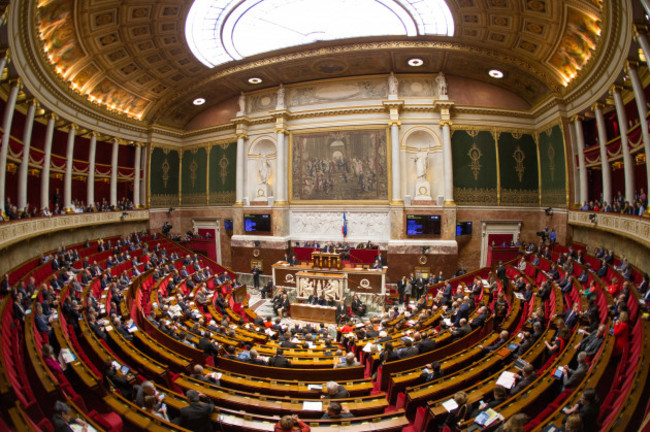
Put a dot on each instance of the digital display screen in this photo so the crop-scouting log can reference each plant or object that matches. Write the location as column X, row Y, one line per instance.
column 422, row 225
column 463, row 228
column 257, row 222
column 227, row 224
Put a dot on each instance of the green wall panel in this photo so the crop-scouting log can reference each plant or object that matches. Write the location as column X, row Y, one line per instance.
column 552, row 166
column 518, row 169
column 223, row 163
column 163, row 177
column 194, row 177
column 475, row 169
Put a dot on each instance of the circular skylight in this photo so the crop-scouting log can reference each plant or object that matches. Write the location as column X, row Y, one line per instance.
column 220, row 31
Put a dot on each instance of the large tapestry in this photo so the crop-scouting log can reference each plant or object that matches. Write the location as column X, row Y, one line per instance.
column 518, row 169
column 552, row 167
column 339, row 166
column 223, row 163
column 163, row 178
column 475, row 167
column 194, row 181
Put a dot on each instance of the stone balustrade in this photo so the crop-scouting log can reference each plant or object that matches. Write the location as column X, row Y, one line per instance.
column 633, row 228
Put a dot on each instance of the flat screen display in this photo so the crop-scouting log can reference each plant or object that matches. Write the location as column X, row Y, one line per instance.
column 257, row 222
column 463, row 228
column 227, row 224
column 422, row 225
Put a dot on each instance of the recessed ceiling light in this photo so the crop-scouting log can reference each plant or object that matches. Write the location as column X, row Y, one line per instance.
column 415, row 62
column 255, row 80
column 496, row 73
column 198, row 101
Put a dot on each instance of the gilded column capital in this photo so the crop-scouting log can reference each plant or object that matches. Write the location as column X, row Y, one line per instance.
column 576, row 117
column 95, row 134
column 16, row 82
column 446, row 122
column 392, row 123
column 639, row 30
column 631, row 64
column 51, row 116
column 597, row 106
column 242, row 136
column 279, row 130
column 72, row 126
column 616, row 88
column 32, row 102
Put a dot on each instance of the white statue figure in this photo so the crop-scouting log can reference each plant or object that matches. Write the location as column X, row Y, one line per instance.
column 442, row 84
column 264, row 170
column 421, row 162
column 280, row 103
column 332, row 290
column 242, row 104
column 392, row 85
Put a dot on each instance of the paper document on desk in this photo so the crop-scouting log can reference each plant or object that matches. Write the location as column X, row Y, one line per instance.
column 317, row 387
column 506, row 379
column 450, row 405
column 312, row 406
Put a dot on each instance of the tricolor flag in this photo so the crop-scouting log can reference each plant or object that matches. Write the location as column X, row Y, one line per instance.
column 345, row 226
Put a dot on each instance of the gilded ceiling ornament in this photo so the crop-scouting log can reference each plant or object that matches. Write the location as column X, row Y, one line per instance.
column 551, row 161
column 193, row 167
column 165, row 172
column 519, row 157
column 223, row 172
column 475, row 154
column 224, row 146
column 472, row 132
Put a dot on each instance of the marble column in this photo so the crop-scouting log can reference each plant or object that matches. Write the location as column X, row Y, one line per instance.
column 582, row 170
column 6, row 127
column 628, row 163
column 45, row 173
column 280, row 173
column 24, row 163
column 116, row 149
column 447, row 160
column 136, row 176
column 604, row 161
column 69, row 160
column 395, row 162
column 90, row 181
column 240, row 174
column 640, row 99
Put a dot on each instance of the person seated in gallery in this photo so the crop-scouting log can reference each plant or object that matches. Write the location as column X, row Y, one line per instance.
column 322, row 301
column 377, row 264
column 357, row 306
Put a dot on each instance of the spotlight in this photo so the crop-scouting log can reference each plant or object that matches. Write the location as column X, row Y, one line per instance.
column 593, row 218
column 198, row 101
column 415, row 62
column 255, row 80
column 495, row 73
column 549, row 211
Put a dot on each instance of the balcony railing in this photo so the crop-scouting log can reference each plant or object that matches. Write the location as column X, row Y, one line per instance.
column 632, row 227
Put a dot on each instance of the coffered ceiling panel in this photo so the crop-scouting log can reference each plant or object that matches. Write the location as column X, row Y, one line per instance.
column 131, row 56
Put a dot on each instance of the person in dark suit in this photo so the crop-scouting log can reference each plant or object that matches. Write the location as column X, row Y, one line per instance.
column 425, row 344
column 196, row 416
column 401, row 287
column 62, row 418
column 430, row 372
column 409, row 350
column 573, row 377
column 462, row 330
column 357, row 306
column 571, row 317
column 463, row 311
column 335, row 391
column 267, row 290
column 256, row 277
column 503, row 337
column 278, row 360
column 479, row 320
column 528, row 375
column 341, row 311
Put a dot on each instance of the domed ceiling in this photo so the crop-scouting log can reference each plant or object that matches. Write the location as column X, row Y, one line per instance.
column 132, row 56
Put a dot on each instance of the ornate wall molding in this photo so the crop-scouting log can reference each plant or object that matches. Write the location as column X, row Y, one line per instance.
column 633, row 228
column 15, row 232
column 323, row 225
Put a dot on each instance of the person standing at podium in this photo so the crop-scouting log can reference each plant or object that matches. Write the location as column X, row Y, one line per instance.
column 256, row 276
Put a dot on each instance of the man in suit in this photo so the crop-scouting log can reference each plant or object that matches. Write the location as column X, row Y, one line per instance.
column 463, row 329
column 279, row 360
column 463, row 311
column 528, row 375
column 256, row 277
column 503, row 337
column 447, row 293
column 480, row 319
column 425, row 344
column 409, row 350
column 341, row 311
column 571, row 317
column 401, row 287
column 196, row 416
column 573, row 377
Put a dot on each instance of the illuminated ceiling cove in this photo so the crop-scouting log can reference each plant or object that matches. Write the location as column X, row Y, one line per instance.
column 220, row 31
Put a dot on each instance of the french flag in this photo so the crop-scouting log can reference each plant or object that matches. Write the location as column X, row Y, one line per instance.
column 345, row 226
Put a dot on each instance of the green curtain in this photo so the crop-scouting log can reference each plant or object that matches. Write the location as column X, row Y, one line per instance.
column 194, row 181
column 223, row 163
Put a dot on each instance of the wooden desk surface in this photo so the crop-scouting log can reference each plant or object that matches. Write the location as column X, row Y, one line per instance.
column 313, row 313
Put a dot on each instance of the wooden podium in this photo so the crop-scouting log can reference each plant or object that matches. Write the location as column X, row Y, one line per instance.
column 326, row 260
